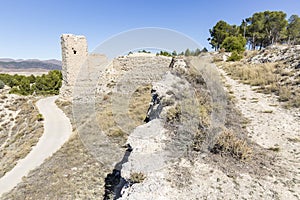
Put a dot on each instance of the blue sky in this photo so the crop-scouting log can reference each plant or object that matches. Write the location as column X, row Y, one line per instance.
column 32, row 28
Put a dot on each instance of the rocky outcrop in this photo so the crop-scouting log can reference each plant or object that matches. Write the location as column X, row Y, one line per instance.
column 286, row 60
column 161, row 140
column 289, row 55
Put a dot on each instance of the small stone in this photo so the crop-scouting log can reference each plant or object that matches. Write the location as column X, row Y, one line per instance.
column 74, row 169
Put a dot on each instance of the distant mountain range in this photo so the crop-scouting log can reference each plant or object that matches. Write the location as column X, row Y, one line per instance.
column 30, row 64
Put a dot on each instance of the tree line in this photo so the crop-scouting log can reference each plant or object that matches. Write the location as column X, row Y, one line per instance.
column 187, row 52
column 258, row 31
column 47, row 84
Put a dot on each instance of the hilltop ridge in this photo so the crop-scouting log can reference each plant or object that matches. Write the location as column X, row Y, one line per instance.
column 9, row 65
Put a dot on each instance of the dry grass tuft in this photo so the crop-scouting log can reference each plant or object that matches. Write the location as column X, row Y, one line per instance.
column 173, row 114
column 284, row 94
column 228, row 142
column 137, row 177
column 107, row 122
column 295, row 140
column 267, row 111
column 250, row 54
column 205, row 108
column 139, row 104
column 275, row 149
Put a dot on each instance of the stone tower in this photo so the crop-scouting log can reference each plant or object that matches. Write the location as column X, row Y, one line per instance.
column 74, row 54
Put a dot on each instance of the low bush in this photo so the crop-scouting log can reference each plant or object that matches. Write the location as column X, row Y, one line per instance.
column 173, row 114
column 284, row 94
column 164, row 53
column 235, row 56
column 1, row 84
column 137, row 177
column 39, row 117
column 295, row 102
column 228, row 142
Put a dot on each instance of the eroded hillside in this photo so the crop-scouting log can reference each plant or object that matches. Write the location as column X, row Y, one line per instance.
column 192, row 135
column 20, row 128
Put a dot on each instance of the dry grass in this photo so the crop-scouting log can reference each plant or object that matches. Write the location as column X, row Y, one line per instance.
column 228, row 142
column 267, row 111
column 295, row 102
column 63, row 104
column 255, row 75
column 275, row 149
column 71, row 173
column 173, row 114
column 295, row 140
column 269, row 77
column 138, row 106
column 137, row 177
column 107, row 123
column 205, row 107
column 202, row 96
column 284, row 94
column 250, row 54
column 199, row 138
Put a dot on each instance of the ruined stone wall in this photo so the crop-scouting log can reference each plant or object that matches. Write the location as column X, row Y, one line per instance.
column 74, row 54
column 133, row 68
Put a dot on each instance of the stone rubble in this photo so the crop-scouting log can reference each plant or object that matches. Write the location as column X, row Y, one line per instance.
column 288, row 54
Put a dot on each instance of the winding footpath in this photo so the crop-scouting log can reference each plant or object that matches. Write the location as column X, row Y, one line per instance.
column 57, row 130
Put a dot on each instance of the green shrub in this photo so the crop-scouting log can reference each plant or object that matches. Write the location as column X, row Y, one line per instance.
column 164, row 53
column 187, row 52
column 24, row 86
column 144, row 51
column 1, row 84
column 234, row 43
column 235, row 56
column 39, row 117
column 31, row 78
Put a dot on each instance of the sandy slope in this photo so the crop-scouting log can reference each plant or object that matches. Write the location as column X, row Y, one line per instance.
column 57, row 130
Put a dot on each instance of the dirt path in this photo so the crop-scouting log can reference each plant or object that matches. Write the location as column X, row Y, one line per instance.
column 57, row 130
column 272, row 127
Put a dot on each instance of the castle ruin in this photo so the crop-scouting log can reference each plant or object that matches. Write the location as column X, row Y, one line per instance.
column 74, row 54
column 82, row 70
